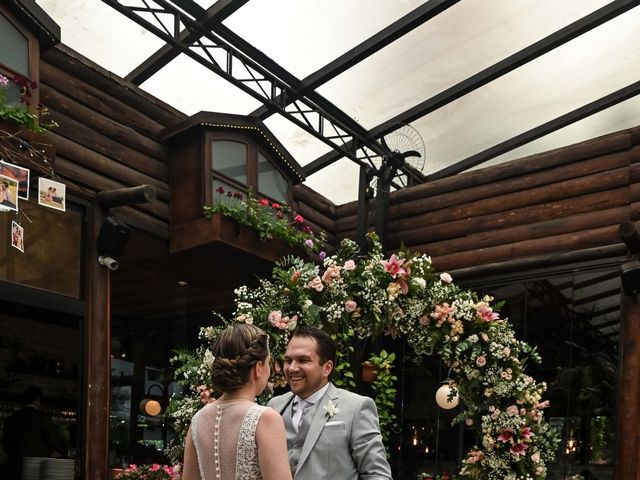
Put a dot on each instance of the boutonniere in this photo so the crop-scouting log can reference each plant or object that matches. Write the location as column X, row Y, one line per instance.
column 331, row 409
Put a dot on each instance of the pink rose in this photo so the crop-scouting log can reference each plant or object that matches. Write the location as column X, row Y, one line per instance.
column 445, row 277
column 535, row 458
column 350, row 306
column 315, row 284
column 481, row 361
column 424, row 320
column 275, row 316
column 349, row 265
column 332, row 273
column 512, row 411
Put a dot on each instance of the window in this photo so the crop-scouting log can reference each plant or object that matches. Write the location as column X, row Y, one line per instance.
column 271, row 183
column 236, row 164
column 15, row 58
column 230, row 159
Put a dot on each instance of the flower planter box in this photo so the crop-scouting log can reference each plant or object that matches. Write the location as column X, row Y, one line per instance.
column 18, row 154
column 221, row 230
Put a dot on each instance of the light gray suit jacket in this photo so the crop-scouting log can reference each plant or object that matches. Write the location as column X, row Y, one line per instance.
column 346, row 446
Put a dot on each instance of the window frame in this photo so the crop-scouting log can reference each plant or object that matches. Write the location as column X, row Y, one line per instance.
column 253, row 148
column 33, row 61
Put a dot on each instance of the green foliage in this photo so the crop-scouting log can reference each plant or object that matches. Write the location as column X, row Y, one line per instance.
column 386, row 392
column 20, row 113
column 270, row 219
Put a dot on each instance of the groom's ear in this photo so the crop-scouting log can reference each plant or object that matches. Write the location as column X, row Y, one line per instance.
column 327, row 368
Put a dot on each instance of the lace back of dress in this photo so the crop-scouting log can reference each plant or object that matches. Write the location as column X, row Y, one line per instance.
column 224, row 437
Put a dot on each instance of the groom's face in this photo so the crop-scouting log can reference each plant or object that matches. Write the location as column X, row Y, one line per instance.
column 302, row 367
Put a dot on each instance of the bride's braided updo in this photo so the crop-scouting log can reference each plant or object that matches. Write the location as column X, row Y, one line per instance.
column 236, row 350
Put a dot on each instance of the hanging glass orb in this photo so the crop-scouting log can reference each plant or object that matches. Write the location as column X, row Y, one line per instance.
column 442, row 397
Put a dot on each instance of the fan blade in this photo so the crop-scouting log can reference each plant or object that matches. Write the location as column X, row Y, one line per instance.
column 411, row 153
column 384, row 143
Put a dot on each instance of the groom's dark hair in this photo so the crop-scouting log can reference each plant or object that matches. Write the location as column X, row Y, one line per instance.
column 326, row 347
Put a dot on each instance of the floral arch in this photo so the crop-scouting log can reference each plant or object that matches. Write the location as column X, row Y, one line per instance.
column 402, row 295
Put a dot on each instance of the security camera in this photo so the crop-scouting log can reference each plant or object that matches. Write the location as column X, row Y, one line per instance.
column 109, row 262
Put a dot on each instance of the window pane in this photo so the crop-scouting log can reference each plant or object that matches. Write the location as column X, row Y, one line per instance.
column 16, row 57
column 224, row 191
column 270, row 182
column 230, row 159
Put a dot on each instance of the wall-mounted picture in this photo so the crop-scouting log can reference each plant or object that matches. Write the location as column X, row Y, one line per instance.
column 51, row 193
column 20, row 174
column 17, row 236
column 8, row 193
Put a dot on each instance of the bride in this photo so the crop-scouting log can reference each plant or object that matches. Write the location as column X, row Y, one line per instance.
column 233, row 438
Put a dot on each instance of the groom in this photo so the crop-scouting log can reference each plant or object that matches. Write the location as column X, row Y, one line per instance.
column 332, row 434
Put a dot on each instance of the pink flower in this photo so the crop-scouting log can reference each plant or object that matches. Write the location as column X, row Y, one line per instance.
column 424, row 320
column 481, row 361
column 154, row 468
column 349, row 265
column 535, row 458
column 519, row 448
column 295, row 276
column 298, row 219
column 308, row 242
column 322, row 255
column 264, row 202
column 486, row 313
column 445, row 277
column 315, row 284
column 350, row 306
column 332, row 273
column 475, row 456
column 544, row 404
column 512, row 411
column 505, row 436
column 274, row 317
column 404, row 286
column 526, row 433
column 276, row 206
column 393, row 266
column 442, row 314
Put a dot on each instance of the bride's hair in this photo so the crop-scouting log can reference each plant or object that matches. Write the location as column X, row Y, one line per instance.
column 236, row 350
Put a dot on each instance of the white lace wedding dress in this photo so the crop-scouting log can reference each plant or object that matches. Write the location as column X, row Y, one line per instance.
column 224, row 435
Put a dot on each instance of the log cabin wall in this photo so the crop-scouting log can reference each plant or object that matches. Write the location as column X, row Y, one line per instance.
column 107, row 138
column 319, row 213
column 565, row 200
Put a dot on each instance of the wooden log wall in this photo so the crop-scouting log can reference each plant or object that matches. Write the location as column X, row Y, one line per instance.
column 565, row 200
column 108, row 134
column 319, row 213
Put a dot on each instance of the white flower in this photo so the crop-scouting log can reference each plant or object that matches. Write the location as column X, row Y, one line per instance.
column 445, row 277
column 209, row 358
column 419, row 282
column 331, row 409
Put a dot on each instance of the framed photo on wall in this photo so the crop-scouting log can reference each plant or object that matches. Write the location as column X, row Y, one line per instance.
column 51, row 194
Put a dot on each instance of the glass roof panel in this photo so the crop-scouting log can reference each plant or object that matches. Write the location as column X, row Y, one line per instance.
column 302, row 145
column 462, row 41
column 191, row 88
column 303, row 36
column 102, row 34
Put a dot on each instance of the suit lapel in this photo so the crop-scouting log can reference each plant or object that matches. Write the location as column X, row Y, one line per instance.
column 317, row 424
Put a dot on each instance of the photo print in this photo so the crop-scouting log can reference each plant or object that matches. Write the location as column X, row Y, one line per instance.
column 20, row 174
column 51, row 194
column 8, row 193
column 17, row 236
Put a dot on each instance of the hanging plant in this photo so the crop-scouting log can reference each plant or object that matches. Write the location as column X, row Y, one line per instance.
column 402, row 296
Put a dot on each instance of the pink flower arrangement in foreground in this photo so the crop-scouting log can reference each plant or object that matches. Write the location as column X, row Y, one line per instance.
column 150, row 472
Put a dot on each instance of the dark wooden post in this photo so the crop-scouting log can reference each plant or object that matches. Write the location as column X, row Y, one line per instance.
column 97, row 348
column 364, row 195
column 628, row 408
column 97, row 330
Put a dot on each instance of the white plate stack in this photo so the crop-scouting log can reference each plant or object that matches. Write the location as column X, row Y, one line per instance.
column 31, row 468
column 57, row 469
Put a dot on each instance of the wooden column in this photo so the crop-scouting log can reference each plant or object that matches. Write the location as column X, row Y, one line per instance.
column 97, row 347
column 628, row 408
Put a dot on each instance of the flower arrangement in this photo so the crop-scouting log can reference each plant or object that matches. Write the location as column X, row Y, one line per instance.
column 270, row 219
column 439, row 476
column 20, row 113
column 353, row 295
column 149, row 472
